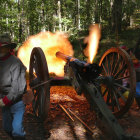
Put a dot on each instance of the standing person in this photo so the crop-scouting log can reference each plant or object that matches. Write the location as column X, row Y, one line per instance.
column 12, row 88
column 137, row 68
column 135, row 56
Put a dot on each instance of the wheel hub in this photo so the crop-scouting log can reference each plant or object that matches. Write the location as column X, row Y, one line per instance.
column 109, row 81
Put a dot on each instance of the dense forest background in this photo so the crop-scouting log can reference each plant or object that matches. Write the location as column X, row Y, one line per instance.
column 119, row 19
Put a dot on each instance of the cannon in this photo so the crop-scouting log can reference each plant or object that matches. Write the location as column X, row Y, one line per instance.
column 103, row 85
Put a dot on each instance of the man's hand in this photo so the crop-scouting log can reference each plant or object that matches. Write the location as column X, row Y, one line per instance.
column 28, row 97
column 1, row 103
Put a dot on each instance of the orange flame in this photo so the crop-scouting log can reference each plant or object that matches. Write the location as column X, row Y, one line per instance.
column 93, row 41
column 50, row 43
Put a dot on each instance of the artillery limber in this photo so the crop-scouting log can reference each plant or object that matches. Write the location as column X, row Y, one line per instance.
column 103, row 85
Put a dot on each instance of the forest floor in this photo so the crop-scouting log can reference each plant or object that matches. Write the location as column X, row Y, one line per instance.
column 59, row 127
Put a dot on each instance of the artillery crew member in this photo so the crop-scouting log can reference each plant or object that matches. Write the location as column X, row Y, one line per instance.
column 12, row 88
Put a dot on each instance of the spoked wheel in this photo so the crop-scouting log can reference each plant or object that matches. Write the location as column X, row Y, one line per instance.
column 39, row 70
column 119, row 84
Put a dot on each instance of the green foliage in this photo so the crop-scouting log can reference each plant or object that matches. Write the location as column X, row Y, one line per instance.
column 23, row 18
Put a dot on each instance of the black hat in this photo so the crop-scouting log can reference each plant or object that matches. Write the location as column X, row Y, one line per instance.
column 5, row 41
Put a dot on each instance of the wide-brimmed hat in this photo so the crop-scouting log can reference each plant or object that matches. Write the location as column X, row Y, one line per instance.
column 5, row 41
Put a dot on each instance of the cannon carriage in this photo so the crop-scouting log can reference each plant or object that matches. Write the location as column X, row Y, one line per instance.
column 104, row 85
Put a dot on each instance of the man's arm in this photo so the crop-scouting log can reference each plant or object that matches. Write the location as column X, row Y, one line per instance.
column 18, row 84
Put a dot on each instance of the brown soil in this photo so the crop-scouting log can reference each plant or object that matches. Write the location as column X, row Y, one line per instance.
column 61, row 127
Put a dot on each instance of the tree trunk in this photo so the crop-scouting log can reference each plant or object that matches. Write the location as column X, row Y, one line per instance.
column 19, row 22
column 88, row 15
column 97, row 18
column 43, row 15
column 59, row 15
column 7, row 20
column 78, row 14
column 117, row 16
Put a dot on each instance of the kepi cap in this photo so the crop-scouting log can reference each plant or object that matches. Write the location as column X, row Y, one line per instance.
column 5, row 41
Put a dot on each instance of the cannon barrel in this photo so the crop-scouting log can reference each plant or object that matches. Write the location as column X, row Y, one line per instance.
column 87, row 71
column 65, row 57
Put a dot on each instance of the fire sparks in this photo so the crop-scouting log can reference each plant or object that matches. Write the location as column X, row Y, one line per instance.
column 50, row 44
column 92, row 40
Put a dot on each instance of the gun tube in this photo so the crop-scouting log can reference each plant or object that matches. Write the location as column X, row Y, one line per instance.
column 64, row 56
column 88, row 71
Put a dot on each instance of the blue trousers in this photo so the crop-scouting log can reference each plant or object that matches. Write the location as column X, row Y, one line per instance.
column 138, row 89
column 13, row 119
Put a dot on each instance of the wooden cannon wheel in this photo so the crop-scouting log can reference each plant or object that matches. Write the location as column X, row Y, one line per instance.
column 39, row 69
column 119, row 86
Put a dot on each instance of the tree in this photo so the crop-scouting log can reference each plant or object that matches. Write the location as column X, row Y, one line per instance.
column 27, row 17
column 117, row 15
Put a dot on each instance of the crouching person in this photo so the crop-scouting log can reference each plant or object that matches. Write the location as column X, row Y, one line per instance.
column 12, row 88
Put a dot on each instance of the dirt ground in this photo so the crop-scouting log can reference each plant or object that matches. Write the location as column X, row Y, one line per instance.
column 61, row 127
column 58, row 126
